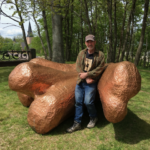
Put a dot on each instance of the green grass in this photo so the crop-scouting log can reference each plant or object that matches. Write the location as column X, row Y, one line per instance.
column 133, row 133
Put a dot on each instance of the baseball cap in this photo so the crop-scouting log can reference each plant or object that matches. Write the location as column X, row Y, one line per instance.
column 90, row 37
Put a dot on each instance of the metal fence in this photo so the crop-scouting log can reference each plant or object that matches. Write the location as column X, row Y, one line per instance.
column 12, row 58
column 14, row 55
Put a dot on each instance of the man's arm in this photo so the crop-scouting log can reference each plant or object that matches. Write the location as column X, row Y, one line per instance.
column 79, row 63
column 97, row 71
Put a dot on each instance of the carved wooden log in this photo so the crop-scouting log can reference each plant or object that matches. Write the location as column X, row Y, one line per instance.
column 48, row 110
column 55, row 65
column 27, row 100
column 52, row 86
column 119, row 82
column 52, row 90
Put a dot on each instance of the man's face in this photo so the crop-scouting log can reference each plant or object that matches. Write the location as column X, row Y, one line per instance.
column 90, row 44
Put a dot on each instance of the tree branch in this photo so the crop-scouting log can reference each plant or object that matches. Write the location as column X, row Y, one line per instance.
column 10, row 25
column 8, row 16
column 80, row 16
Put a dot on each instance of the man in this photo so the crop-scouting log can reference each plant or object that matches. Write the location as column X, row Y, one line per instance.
column 90, row 63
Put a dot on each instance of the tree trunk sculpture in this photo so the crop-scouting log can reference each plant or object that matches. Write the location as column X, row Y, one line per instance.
column 49, row 87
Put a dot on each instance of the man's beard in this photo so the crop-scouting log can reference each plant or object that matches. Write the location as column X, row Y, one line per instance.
column 90, row 48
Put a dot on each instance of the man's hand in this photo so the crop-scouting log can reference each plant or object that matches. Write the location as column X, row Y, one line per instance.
column 89, row 80
column 83, row 75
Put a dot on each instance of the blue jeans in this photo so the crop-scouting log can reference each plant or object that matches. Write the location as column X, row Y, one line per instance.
column 85, row 94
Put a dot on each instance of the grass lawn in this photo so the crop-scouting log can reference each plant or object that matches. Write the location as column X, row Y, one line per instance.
column 133, row 133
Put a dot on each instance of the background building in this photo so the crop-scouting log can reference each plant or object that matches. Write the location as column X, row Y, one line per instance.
column 28, row 38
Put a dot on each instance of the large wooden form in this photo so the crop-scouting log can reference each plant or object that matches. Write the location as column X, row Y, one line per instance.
column 48, row 88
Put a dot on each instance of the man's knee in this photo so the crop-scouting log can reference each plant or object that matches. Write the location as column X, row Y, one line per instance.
column 78, row 103
column 87, row 103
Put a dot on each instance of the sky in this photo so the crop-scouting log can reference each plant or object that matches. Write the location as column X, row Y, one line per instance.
column 12, row 31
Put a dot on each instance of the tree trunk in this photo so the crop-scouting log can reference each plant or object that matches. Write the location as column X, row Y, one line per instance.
column 22, row 26
column 67, row 37
column 132, row 49
column 77, row 45
column 71, row 32
column 140, row 61
column 148, row 62
column 128, row 49
column 115, row 32
column 81, row 25
column 39, row 34
column 47, row 35
column 107, row 54
column 144, row 60
column 138, row 53
column 57, row 47
column 144, row 63
column 87, row 16
column 110, row 52
column 128, row 29
column 122, row 32
column 91, row 4
column 132, row 38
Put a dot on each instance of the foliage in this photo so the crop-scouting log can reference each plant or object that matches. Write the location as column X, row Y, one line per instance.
column 36, row 43
column 75, row 25
column 6, row 44
column 18, row 38
column 1, row 43
column 17, row 47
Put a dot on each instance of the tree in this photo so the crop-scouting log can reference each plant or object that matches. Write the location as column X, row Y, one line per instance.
column 5, row 44
column 1, row 43
column 122, row 31
column 19, row 38
column 46, row 33
column 138, row 53
column 34, row 13
column 115, row 32
column 110, row 51
column 57, row 47
column 16, row 47
column 67, row 22
column 19, row 8
column 128, row 30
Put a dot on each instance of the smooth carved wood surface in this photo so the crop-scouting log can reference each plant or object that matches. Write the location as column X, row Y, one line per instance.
column 48, row 88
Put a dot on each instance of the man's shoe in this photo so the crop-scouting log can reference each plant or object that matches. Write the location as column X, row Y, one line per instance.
column 76, row 126
column 92, row 122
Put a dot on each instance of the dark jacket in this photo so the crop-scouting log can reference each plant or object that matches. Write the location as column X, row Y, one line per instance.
column 97, row 66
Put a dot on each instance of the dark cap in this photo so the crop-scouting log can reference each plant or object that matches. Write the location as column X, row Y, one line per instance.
column 90, row 37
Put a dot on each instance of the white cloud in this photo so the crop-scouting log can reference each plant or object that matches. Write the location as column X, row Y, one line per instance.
column 10, row 31
column 13, row 32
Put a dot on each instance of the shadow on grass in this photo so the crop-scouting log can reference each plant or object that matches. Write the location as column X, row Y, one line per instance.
column 132, row 129
column 61, row 128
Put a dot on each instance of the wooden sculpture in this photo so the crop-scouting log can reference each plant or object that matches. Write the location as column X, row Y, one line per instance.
column 48, row 88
